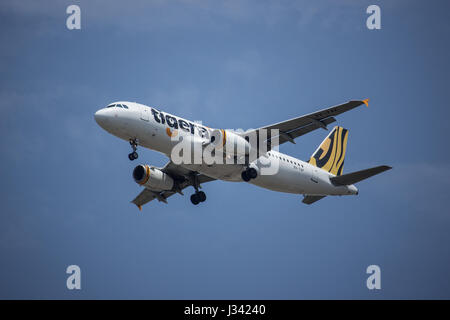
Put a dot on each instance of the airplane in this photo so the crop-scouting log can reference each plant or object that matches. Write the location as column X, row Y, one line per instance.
column 320, row 176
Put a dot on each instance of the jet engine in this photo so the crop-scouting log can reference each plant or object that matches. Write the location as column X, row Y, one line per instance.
column 230, row 142
column 152, row 178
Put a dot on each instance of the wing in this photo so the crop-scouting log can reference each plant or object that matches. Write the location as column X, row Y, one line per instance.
column 183, row 178
column 293, row 128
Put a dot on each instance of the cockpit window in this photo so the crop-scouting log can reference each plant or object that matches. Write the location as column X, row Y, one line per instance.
column 117, row 105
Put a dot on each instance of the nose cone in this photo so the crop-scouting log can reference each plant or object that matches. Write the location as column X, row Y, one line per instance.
column 101, row 117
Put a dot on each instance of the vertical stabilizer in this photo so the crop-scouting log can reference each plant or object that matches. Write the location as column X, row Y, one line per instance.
column 330, row 155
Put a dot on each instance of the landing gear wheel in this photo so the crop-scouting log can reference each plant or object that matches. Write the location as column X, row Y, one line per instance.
column 252, row 173
column 245, row 176
column 201, row 196
column 195, row 199
column 198, row 197
column 133, row 156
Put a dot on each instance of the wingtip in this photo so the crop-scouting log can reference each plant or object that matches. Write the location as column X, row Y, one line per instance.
column 366, row 102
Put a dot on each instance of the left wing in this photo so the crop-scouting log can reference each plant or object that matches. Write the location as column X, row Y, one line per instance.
column 293, row 128
column 183, row 178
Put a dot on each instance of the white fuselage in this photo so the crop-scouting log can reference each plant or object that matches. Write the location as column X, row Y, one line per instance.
column 152, row 128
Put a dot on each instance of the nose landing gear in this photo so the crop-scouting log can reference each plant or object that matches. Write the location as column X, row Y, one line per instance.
column 133, row 155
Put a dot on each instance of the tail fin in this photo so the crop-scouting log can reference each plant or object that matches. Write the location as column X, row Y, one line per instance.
column 330, row 155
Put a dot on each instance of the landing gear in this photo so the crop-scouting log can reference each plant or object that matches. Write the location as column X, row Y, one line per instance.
column 198, row 197
column 134, row 155
column 248, row 174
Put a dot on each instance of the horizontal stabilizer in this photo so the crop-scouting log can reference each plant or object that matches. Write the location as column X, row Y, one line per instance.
column 354, row 177
column 308, row 199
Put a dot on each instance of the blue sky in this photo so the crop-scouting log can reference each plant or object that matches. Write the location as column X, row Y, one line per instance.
column 66, row 184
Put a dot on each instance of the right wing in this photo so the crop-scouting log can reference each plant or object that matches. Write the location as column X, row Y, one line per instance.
column 183, row 178
column 293, row 128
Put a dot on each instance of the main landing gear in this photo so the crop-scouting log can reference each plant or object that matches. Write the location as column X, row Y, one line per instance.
column 198, row 196
column 248, row 174
column 134, row 155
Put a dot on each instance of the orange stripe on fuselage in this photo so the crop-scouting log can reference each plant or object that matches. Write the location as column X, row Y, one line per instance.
column 224, row 137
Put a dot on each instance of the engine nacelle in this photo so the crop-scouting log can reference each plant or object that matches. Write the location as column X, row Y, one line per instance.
column 230, row 142
column 152, row 178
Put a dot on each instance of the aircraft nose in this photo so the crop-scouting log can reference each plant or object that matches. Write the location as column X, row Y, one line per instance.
column 101, row 117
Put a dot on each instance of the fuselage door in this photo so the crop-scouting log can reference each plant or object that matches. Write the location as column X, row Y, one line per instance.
column 145, row 113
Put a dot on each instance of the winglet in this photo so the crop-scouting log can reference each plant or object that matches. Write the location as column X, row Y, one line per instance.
column 366, row 102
